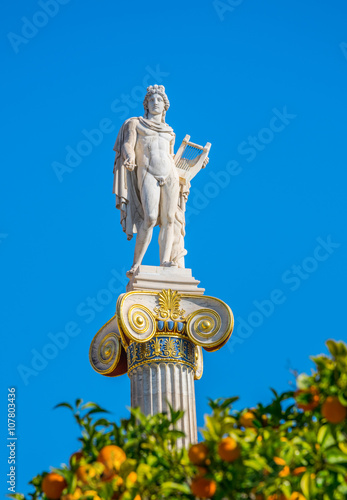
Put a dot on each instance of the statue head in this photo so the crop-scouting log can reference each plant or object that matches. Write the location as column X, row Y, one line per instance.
column 156, row 101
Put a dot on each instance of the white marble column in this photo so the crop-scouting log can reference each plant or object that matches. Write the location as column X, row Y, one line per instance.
column 161, row 326
column 153, row 385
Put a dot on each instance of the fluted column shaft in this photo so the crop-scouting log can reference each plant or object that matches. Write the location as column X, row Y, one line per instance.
column 154, row 385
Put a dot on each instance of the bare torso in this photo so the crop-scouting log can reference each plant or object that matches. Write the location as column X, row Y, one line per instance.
column 153, row 152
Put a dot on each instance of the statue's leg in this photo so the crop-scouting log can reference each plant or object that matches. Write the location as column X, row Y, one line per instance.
column 168, row 207
column 150, row 196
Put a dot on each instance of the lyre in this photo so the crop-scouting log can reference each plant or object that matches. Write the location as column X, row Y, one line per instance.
column 190, row 159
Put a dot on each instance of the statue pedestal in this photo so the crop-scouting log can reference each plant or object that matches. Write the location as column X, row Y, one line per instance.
column 159, row 278
column 157, row 335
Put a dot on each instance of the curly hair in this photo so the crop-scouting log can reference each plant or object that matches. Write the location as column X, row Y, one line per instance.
column 156, row 89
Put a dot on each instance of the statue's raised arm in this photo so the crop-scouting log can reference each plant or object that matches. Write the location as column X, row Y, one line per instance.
column 151, row 183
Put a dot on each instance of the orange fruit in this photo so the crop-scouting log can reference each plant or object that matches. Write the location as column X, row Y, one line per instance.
column 203, row 488
column 85, row 472
column 247, row 418
column 111, row 457
column 198, row 453
column 297, row 496
column 117, row 481
column 73, row 496
column 279, row 461
column 228, row 449
column 312, row 400
column 284, row 472
column 53, row 485
column 132, row 477
column 299, row 470
column 333, row 410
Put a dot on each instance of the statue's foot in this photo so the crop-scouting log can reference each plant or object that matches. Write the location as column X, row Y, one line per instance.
column 169, row 263
column 131, row 271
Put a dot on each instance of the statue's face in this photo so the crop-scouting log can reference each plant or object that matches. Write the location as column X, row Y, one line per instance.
column 156, row 104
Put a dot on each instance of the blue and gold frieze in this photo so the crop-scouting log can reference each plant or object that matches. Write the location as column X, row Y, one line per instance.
column 162, row 349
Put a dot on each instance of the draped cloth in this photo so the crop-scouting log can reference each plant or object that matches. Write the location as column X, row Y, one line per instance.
column 157, row 127
column 125, row 188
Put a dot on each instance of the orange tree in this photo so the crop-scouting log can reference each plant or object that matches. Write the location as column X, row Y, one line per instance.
column 294, row 448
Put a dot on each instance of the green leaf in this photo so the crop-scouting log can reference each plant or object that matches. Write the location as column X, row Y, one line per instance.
column 274, row 392
column 102, row 421
column 63, row 405
column 97, row 410
column 342, row 348
column 333, row 347
column 137, row 413
column 228, row 402
column 169, row 487
column 339, row 469
column 254, row 464
column 325, row 437
column 335, row 456
column 176, row 434
column 307, row 485
column 73, row 484
column 343, row 447
column 90, row 404
column 212, row 426
column 152, row 460
column 342, row 399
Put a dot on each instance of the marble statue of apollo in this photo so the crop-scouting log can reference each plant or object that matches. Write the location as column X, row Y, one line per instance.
column 146, row 182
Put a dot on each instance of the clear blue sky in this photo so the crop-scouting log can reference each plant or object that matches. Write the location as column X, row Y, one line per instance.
column 265, row 83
